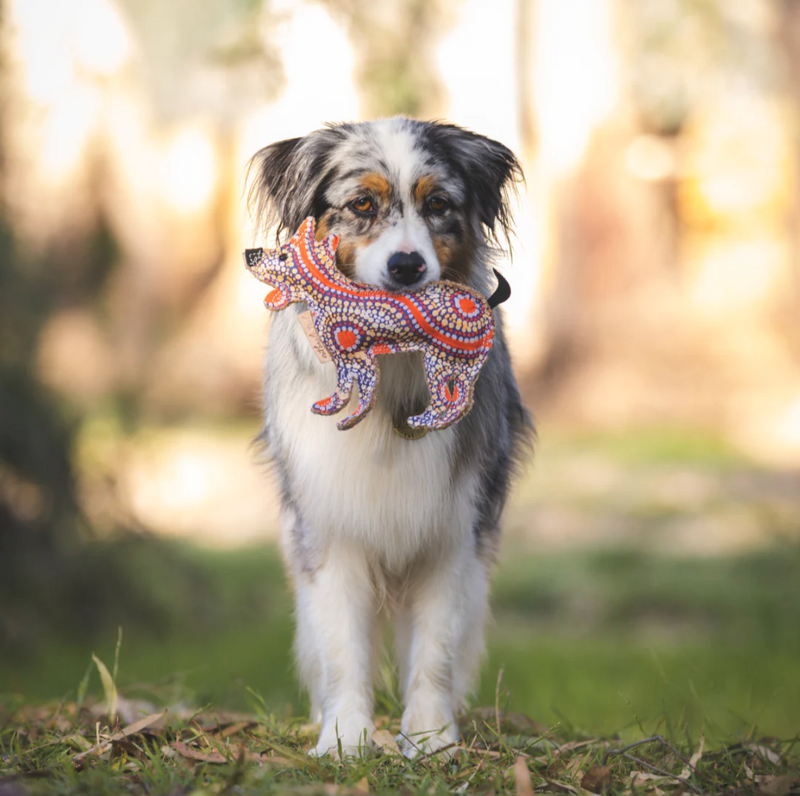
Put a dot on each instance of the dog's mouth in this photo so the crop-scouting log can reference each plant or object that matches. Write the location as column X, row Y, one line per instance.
column 392, row 285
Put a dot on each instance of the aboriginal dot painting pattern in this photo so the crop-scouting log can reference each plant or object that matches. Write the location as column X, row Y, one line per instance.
column 452, row 325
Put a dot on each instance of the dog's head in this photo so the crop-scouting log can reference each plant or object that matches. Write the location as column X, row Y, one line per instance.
column 411, row 201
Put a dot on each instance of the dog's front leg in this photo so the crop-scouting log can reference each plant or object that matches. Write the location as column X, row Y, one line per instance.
column 335, row 616
column 440, row 640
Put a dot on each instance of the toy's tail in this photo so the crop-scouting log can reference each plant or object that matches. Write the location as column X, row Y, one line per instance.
column 502, row 293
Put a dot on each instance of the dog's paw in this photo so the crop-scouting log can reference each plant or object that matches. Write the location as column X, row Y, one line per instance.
column 440, row 743
column 352, row 738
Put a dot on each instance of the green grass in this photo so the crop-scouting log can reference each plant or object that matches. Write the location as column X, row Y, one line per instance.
column 592, row 646
column 646, row 446
column 599, row 641
column 72, row 749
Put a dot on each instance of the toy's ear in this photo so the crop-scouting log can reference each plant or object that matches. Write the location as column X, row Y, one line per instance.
column 307, row 229
column 331, row 244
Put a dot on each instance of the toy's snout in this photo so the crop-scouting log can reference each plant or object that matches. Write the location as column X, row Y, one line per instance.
column 252, row 257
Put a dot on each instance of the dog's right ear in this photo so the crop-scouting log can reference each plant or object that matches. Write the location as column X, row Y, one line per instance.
column 285, row 179
column 269, row 174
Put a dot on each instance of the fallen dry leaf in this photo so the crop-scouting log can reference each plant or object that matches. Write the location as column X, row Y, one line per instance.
column 764, row 752
column 597, row 779
column 522, row 778
column 277, row 760
column 385, row 741
column 571, row 746
column 291, row 754
column 646, row 776
column 102, row 746
column 573, row 768
column 234, row 729
column 778, row 786
column 196, row 754
column 562, row 786
column 138, row 726
column 362, row 786
column 694, row 759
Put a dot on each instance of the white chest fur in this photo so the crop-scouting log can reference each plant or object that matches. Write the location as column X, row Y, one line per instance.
column 367, row 484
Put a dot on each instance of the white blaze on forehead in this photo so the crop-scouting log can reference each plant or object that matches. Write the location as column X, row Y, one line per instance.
column 396, row 142
column 410, row 234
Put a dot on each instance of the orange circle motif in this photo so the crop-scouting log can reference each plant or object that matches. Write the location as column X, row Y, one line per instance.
column 467, row 305
column 346, row 339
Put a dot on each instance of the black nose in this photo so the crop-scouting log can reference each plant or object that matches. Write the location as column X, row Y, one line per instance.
column 406, row 267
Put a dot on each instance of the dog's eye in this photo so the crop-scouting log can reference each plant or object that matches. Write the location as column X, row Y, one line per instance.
column 438, row 204
column 363, row 205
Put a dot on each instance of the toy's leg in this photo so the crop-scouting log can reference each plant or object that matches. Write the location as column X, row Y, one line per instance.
column 367, row 379
column 336, row 402
column 451, row 395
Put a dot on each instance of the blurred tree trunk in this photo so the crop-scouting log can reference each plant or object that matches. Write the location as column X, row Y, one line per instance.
column 51, row 581
column 612, row 234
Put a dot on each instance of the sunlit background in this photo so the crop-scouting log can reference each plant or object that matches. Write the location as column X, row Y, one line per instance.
column 654, row 322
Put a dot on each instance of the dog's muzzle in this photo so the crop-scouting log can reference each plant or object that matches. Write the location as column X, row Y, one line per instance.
column 406, row 267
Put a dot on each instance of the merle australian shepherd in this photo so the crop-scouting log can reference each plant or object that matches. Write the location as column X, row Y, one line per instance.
column 378, row 525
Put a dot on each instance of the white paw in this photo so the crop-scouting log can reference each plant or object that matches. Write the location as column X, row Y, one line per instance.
column 428, row 742
column 353, row 738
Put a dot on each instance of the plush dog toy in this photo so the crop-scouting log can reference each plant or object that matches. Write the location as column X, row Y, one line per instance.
column 452, row 325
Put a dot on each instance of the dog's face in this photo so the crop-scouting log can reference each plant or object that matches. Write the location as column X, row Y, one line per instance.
column 411, row 201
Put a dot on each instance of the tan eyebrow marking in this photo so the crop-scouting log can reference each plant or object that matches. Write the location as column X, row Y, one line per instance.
column 423, row 187
column 379, row 186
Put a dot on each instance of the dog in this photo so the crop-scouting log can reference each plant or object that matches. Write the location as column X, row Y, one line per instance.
column 381, row 522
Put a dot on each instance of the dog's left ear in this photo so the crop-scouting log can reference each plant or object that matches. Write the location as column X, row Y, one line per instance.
column 491, row 170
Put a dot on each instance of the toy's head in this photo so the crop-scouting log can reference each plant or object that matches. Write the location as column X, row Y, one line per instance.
column 289, row 268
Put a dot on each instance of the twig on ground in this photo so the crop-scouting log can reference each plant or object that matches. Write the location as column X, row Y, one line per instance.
column 659, row 738
column 661, row 771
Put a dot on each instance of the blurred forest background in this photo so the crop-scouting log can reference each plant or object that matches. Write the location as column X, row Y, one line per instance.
column 652, row 567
